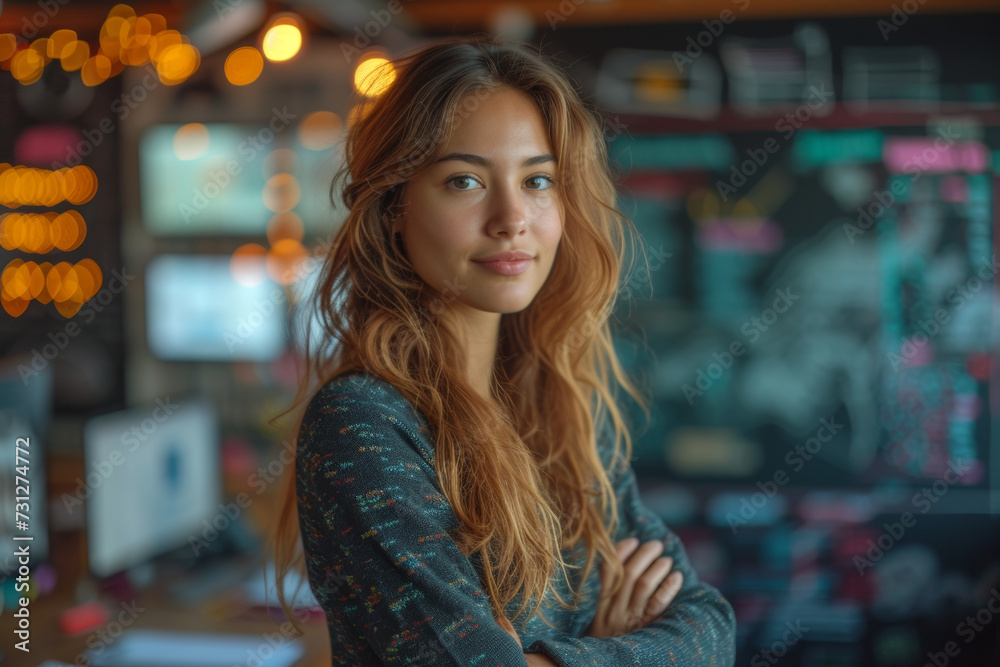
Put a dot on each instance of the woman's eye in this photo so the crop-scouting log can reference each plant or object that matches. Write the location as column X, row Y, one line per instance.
column 544, row 182
column 463, row 182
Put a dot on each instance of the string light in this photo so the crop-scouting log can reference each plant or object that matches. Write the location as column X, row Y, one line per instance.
column 282, row 39
column 373, row 76
column 124, row 39
column 244, row 65
column 67, row 286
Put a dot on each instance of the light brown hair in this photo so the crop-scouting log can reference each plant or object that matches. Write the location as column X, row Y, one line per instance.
column 535, row 483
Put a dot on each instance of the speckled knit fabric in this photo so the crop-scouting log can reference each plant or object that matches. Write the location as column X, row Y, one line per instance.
column 397, row 590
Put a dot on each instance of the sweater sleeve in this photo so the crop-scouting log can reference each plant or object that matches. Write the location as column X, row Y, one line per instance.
column 698, row 628
column 374, row 526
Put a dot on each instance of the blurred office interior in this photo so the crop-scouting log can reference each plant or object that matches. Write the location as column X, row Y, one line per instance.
column 813, row 315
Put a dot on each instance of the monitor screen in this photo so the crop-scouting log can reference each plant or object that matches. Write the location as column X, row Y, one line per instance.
column 197, row 311
column 154, row 477
column 231, row 179
column 25, row 414
column 817, row 304
column 304, row 318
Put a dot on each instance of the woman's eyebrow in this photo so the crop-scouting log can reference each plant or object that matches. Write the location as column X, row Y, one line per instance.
column 481, row 161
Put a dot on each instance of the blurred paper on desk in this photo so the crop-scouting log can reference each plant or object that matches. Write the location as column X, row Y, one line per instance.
column 155, row 648
column 261, row 590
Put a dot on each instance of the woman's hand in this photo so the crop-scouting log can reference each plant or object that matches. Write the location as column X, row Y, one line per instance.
column 645, row 593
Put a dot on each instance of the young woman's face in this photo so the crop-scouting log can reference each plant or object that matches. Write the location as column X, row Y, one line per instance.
column 492, row 191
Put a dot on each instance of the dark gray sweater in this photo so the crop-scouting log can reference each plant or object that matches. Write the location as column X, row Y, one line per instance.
column 397, row 590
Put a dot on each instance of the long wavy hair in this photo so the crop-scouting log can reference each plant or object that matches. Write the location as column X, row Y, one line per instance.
column 527, row 482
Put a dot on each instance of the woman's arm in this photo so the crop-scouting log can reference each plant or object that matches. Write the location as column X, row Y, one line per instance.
column 395, row 587
column 698, row 628
column 699, row 616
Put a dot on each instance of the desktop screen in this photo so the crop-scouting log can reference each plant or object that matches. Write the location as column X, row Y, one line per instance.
column 153, row 477
column 230, row 179
column 817, row 302
column 25, row 414
column 197, row 311
column 304, row 318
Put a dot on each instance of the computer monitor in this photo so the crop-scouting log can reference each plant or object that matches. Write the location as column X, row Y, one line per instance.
column 25, row 416
column 221, row 179
column 196, row 311
column 817, row 306
column 304, row 318
column 153, row 475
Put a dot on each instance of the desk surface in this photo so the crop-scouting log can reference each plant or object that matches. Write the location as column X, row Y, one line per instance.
column 153, row 609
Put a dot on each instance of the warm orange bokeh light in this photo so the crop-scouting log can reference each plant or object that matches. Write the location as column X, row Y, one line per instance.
column 96, row 70
column 135, row 31
column 41, row 46
column 133, row 37
column 135, row 56
column 58, row 41
column 157, row 23
column 6, row 242
column 32, row 230
column 123, row 11
column 85, row 184
column 281, row 192
column 28, row 186
column 283, row 261
column 36, row 280
column 13, row 231
column 8, row 44
column 244, row 65
column 14, row 307
column 161, row 41
column 285, row 225
column 27, row 66
column 43, row 295
column 373, row 76
column 13, row 288
column 282, row 40
column 68, row 231
column 10, row 186
column 22, row 281
column 66, row 284
column 74, row 55
column 57, row 281
column 110, row 37
column 176, row 63
column 8, row 275
column 21, row 185
column 95, row 273
column 191, row 141
column 320, row 130
column 247, row 265
column 55, row 187
column 8, row 175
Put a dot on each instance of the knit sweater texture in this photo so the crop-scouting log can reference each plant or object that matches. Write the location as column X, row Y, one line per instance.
column 396, row 589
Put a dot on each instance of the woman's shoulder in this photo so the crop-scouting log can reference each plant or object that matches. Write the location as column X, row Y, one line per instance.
column 355, row 392
column 612, row 459
column 358, row 405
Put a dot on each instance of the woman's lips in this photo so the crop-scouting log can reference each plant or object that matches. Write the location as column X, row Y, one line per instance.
column 508, row 268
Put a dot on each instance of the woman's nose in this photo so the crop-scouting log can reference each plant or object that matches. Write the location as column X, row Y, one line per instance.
column 508, row 212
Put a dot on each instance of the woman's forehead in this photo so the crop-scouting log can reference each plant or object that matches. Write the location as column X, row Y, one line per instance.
column 507, row 122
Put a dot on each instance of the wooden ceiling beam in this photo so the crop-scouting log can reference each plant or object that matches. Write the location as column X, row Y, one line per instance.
column 463, row 15
column 21, row 18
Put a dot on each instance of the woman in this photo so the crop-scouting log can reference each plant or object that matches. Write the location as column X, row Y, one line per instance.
column 463, row 442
